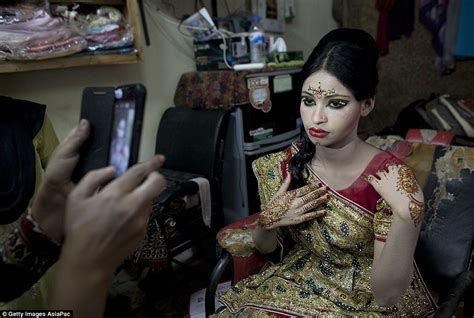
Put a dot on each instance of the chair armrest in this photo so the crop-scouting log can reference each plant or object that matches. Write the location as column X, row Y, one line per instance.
column 172, row 193
column 215, row 278
column 238, row 247
column 236, row 239
column 462, row 286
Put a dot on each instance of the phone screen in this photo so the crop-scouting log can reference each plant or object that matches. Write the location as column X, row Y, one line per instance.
column 122, row 129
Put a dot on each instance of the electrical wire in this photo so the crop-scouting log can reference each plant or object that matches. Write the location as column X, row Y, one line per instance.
column 222, row 33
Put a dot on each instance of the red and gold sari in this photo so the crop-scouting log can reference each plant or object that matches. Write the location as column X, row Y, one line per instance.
column 327, row 271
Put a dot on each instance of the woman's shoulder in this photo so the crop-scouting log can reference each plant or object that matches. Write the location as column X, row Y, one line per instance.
column 270, row 170
column 381, row 159
column 278, row 158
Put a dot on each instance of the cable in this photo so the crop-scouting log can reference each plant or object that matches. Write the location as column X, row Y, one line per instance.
column 222, row 33
column 224, row 49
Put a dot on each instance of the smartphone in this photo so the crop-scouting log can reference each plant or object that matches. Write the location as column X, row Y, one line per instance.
column 115, row 115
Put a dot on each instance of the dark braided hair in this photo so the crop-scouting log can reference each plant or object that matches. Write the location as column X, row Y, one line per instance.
column 351, row 56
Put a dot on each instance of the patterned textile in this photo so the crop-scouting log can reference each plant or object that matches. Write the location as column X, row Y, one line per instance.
column 212, row 90
column 328, row 270
column 36, row 297
column 25, row 256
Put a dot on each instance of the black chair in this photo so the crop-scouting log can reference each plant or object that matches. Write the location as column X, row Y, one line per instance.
column 193, row 142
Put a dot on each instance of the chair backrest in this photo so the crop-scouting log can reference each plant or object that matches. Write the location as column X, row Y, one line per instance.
column 192, row 140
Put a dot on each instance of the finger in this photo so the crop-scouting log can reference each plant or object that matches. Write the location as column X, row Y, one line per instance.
column 150, row 189
column 70, row 146
column 92, row 181
column 375, row 182
column 313, row 204
column 312, row 215
column 311, row 196
column 135, row 175
column 307, row 189
column 284, row 187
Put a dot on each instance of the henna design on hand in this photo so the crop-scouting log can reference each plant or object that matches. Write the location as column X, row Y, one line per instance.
column 407, row 184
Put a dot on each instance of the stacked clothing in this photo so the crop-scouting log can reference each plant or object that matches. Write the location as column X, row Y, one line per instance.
column 29, row 32
column 105, row 29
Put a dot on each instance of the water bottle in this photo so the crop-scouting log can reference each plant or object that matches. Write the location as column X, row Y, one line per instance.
column 256, row 41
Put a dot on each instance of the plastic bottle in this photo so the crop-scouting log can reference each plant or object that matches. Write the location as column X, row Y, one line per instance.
column 257, row 54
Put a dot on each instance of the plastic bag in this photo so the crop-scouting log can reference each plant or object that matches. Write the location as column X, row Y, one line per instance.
column 39, row 36
column 104, row 28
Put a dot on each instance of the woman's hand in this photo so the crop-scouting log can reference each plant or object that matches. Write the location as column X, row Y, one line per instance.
column 293, row 207
column 398, row 187
column 49, row 205
column 103, row 227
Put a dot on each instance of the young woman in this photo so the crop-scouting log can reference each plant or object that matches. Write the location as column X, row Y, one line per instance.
column 351, row 211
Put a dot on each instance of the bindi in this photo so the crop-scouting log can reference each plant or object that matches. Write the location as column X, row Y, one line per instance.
column 319, row 92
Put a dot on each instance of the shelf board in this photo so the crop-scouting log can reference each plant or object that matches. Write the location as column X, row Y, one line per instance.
column 94, row 2
column 69, row 61
column 131, row 12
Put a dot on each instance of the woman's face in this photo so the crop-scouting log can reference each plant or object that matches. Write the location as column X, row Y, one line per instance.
column 329, row 111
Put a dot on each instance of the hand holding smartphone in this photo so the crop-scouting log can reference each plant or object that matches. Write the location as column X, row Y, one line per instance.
column 115, row 116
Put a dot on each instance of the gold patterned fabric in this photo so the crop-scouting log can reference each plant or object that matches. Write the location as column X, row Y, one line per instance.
column 327, row 272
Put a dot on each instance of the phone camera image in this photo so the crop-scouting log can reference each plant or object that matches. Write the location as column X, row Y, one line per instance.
column 120, row 146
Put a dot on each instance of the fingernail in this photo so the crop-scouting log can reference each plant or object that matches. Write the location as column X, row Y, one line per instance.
column 83, row 123
column 328, row 196
column 320, row 184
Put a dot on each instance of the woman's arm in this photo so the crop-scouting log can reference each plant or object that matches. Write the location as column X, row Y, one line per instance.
column 392, row 270
column 266, row 241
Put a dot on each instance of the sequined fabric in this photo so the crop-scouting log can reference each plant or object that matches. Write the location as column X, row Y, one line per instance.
column 327, row 272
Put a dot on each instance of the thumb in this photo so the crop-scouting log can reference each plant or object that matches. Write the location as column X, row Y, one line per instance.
column 286, row 184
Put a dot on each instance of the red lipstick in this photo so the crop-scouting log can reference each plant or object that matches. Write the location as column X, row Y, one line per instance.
column 318, row 133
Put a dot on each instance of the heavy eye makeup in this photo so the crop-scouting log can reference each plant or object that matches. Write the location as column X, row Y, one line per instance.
column 332, row 103
column 308, row 101
column 337, row 103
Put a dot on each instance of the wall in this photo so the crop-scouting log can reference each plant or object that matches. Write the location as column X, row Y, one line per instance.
column 169, row 55
column 407, row 73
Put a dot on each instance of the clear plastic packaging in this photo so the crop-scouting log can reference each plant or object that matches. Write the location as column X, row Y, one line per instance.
column 35, row 34
column 256, row 41
column 104, row 28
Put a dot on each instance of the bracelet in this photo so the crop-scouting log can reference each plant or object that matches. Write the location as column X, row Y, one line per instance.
column 29, row 248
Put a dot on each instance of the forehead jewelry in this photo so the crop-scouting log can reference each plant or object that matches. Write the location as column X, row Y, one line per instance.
column 319, row 92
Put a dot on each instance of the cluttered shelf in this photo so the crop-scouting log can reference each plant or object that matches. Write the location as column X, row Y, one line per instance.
column 97, row 44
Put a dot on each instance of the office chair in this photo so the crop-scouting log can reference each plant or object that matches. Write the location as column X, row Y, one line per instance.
column 192, row 141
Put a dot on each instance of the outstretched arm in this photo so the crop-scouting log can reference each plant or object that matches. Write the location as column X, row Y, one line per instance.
column 392, row 270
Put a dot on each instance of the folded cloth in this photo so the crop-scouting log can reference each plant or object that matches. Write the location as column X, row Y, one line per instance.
column 205, row 198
